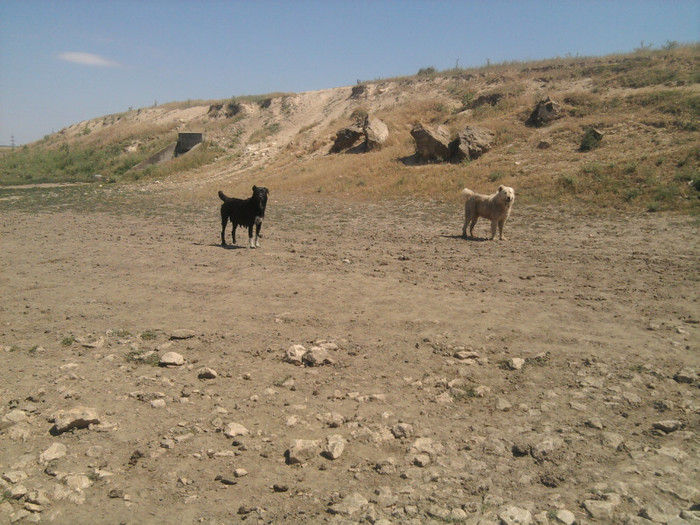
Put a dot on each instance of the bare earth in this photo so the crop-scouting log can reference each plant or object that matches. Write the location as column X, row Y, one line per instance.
column 441, row 421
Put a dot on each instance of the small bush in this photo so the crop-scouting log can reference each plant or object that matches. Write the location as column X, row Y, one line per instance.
column 591, row 140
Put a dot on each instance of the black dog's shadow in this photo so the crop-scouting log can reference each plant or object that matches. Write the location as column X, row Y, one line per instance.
column 466, row 239
column 218, row 245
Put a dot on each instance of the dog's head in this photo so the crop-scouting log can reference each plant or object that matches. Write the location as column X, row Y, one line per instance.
column 260, row 194
column 507, row 194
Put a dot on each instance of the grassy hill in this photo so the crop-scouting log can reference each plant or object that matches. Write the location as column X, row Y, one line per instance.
column 646, row 104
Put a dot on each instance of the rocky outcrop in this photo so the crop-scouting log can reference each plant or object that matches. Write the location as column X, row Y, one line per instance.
column 368, row 136
column 471, row 143
column 431, row 143
column 545, row 112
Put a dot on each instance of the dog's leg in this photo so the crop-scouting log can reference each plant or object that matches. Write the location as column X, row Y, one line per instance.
column 494, row 225
column 471, row 226
column 233, row 232
column 224, row 220
column 501, row 224
column 258, row 225
column 251, row 243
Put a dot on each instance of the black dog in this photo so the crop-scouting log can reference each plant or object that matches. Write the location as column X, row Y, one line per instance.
column 244, row 212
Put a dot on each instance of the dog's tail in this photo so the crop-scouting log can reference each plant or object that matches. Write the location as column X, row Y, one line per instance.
column 467, row 192
column 223, row 197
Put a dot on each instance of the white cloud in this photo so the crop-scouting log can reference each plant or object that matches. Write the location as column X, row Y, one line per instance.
column 87, row 59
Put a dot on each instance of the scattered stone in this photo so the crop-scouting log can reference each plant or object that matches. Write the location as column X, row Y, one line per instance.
column 346, row 138
column 350, row 505
column 317, row 356
column 13, row 417
column 280, row 488
column 171, row 359
column 612, row 440
column 335, row 446
column 15, row 476
column 301, row 450
column 421, row 460
column 294, row 354
column 511, row 515
column 235, row 429
column 157, row 403
column 658, row 512
column 77, row 482
column 167, row 443
column 516, row 363
column 402, row 430
column 668, row 426
column 207, row 373
column 503, row 404
column 226, row 480
column 686, row 375
column 566, row 517
column 240, row 472
column 182, row 334
column 78, row 417
column 427, row 446
column 600, row 510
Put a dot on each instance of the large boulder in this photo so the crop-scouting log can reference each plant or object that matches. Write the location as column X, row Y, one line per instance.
column 346, row 138
column 431, row 144
column 376, row 133
column 545, row 111
column 471, row 143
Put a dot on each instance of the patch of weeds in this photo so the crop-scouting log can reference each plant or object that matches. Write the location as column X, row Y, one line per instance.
column 631, row 195
column 459, row 394
column 67, row 341
column 496, row 176
column 569, row 182
column 653, row 207
column 122, row 333
column 5, row 495
column 147, row 358
column 149, row 335
column 591, row 140
column 33, row 350
column 281, row 382
column 539, row 360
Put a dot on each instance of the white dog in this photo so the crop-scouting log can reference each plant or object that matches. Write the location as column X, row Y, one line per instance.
column 495, row 207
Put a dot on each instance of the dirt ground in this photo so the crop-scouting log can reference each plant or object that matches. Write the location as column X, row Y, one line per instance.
column 548, row 378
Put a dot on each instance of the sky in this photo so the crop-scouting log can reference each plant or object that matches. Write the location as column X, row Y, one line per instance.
column 65, row 61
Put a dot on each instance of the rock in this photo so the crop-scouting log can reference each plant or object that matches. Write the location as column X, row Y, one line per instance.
column 317, row 356
column 346, row 138
column 566, row 517
column 240, row 472
column 659, row 512
column 511, row 515
column 294, row 354
column 335, row 446
column 301, row 450
column 207, row 373
column 503, row 404
column 600, row 510
column 376, row 133
column 686, row 375
column 427, row 446
column 157, row 403
column 171, row 359
column 545, row 111
column 182, row 334
column 235, row 429
column 55, row 451
column 20, row 432
column 612, row 440
column 13, row 417
column 668, row 426
column 421, row 460
column 78, row 417
column 431, row 144
column 516, row 363
column 77, row 482
column 349, row 505
column 402, row 430
column 471, row 143
column 14, row 476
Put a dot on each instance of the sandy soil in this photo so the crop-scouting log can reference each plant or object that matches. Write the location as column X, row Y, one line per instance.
column 549, row 377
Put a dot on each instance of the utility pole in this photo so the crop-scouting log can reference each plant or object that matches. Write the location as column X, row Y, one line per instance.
column 12, row 142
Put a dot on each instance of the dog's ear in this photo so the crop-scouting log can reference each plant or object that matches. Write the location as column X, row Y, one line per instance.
column 255, row 188
column 500, row 188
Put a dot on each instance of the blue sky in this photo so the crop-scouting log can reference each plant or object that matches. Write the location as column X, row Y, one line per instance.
column 64, row 61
